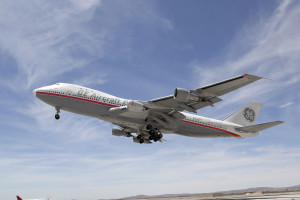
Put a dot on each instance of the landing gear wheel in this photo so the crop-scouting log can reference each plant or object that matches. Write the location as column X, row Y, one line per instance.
column 57, row 116
column 128, row 135
column 151, row 138
column 57, row 112
column 141, row 141
column 148, row 127
column 139, row 137
column 151, row 132
column 160, row 136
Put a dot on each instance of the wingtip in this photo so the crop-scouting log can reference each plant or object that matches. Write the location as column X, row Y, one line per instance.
column 257, row 77
column 278, row 122
column 252, row 77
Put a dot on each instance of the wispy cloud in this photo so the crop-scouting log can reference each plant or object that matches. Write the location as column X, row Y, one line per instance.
column 167, row 25
column 85, row 5
column 269, row 48
column 73, row 126
column 76, row 156
column 91, row 80
column 44, row 39
column 286, row 105
column 47, row 40
column 127, row 170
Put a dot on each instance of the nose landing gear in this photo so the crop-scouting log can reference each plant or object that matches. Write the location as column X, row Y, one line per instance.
column 57, row 113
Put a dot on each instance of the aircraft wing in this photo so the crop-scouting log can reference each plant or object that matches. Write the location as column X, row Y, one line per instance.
column 165, row 111
column 208, row 95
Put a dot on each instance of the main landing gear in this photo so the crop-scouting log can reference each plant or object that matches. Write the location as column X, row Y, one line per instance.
column 141, row 139
column 57, row 113
column 154, row 135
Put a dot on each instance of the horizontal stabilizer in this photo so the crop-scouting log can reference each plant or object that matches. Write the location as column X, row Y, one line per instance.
column 258, row 127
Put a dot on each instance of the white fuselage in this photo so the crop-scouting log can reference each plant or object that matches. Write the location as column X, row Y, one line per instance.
column 93, row 103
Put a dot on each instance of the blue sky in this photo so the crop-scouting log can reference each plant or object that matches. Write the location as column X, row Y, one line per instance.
column 144, row 50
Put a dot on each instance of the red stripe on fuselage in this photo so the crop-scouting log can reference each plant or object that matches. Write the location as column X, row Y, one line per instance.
column 77, row 98
column 193, row 123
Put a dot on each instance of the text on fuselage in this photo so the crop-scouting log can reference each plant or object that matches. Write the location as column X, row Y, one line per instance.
column 95, row 97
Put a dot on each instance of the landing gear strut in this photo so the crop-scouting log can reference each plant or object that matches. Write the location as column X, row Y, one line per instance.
column 148, row 127
column 57, row 113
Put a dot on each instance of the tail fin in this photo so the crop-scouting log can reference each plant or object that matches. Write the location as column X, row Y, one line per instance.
column 19, row 198
column 245, row 116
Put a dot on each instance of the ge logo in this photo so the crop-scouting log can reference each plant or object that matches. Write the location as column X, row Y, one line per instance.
column 249, row 114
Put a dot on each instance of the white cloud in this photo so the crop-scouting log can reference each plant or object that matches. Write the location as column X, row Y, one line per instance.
column 85, row 5
column 78, row 157
column 268, row 47
column 74, row 127
column 167, row 25
column 217, row 167
column 286, row 105
column 91, row 80
column 46, row 39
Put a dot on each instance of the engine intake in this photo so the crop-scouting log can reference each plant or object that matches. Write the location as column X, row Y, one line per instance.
column 185, row 95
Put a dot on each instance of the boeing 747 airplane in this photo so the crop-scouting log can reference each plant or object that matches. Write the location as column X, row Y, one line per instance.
column 145, row 121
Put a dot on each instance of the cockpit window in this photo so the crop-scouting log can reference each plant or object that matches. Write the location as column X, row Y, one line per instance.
column 57, row 84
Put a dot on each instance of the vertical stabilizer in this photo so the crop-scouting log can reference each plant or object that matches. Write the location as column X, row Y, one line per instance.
column 245, row 116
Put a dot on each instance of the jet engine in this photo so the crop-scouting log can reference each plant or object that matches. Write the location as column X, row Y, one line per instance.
column 184, row 95
column 135, row 106
column 116, row 131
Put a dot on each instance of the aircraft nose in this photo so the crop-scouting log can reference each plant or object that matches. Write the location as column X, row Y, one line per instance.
column 38, row 90
column 34, row 92
column 41, row 90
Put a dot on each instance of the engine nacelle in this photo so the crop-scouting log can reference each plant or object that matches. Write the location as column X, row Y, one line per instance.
column 184, row 95
column 116, row 131
column 135, row 106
